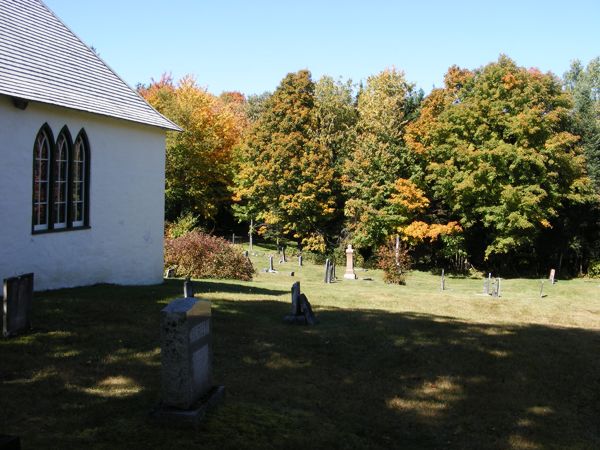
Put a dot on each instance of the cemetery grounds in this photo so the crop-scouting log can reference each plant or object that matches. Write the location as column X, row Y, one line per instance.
column 387, row 366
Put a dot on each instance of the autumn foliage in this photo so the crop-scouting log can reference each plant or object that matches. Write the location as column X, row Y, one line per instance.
column 492, row 169
column 199, row 159
column 200, row 255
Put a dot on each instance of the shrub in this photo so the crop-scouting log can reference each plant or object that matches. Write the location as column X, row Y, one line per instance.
column 594, row 269
column 181, row 226
column 394, row 268
column 200, row 255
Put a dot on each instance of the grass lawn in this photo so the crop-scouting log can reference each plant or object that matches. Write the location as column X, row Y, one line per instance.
column 387, row 367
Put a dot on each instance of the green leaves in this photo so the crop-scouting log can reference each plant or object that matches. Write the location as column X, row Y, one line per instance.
column 501, row 154
column 286, row 175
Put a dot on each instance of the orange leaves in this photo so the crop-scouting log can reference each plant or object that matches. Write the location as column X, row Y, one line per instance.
column 409, row 197
column 419, row 231
column 509, row 81
column 198, row 160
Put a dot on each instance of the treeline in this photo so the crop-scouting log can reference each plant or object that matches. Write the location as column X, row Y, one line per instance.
column 499, row 169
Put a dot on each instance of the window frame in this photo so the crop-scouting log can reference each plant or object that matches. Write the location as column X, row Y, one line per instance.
column 49, row 137
column 69, row 224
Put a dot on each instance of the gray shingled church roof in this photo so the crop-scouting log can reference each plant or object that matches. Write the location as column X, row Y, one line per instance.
column 42, row 60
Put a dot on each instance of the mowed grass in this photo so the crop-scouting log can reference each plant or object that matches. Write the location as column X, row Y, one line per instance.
column 386, row 367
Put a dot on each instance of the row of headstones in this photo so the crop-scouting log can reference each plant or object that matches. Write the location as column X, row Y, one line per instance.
column 492, row 287
column 330, row 266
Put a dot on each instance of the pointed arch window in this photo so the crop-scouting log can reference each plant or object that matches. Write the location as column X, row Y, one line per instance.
column 41, row 178
column 79, row 182
column 60, row 181
column 61, row 173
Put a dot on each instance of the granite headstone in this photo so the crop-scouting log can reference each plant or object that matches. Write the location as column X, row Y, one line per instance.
column 16, row 305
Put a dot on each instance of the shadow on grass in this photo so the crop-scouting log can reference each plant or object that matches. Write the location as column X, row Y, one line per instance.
column 359, row 379
column 209, row 286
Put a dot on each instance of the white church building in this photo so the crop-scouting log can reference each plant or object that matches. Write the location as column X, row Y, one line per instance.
column 82, row 160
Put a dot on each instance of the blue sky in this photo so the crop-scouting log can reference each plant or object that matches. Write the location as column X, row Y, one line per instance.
column 250, row 45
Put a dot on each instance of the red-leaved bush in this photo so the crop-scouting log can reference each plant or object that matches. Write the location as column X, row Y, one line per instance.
column 200, row 255
column 394, row 263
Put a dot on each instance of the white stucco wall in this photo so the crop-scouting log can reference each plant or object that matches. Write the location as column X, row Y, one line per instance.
column 125, row 242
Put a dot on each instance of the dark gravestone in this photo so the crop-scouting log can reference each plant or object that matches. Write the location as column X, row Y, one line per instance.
column 307, row 310
column 300, row 260
column 296, row 298
column 327, row 270
column 170, row 273
column 188, row 288
column 302, row 313
column 246, row 253
column 186, row 356
column 9, row 442
column 16, row 306
column 271, row 268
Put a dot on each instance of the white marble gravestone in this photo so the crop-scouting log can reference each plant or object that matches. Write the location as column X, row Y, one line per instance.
column 186, row 352
column 350, row 274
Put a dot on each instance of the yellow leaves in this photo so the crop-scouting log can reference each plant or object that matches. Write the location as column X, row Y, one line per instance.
column 419, row 231
column 563, row 141
column 510, row 81
column 409, row 197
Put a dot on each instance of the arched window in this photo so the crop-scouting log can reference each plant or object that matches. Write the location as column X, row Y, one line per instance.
column 60, row 180
column 61, row 186
column 42, row 151
column 80, row 180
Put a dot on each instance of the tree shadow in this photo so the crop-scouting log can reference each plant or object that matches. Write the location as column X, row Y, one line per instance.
column 390, row 380
column 90, row 372
column 216, row 286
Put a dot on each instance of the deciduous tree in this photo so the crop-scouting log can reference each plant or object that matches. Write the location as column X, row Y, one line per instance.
column 198, row 160
column 285, row 175
column 500, row 153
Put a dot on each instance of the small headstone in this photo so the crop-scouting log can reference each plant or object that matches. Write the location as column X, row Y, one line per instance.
column 307, row 310
column 16, row 305
column 552, row 274
column 291, row 274
column 350, row 274
column 296, row 298
column 327, row 271
column 300, row 260
column 283, row 257
column 170, row 272
column 188, row 288
column 333, row 277
column 443, row 281
column 542, row 289
column 271, row 269
column 496, row 288
column 302, row 313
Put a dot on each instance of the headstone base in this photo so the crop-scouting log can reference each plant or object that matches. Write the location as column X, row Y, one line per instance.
column 295, row 319
column 185, row 418
column 350, row 276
